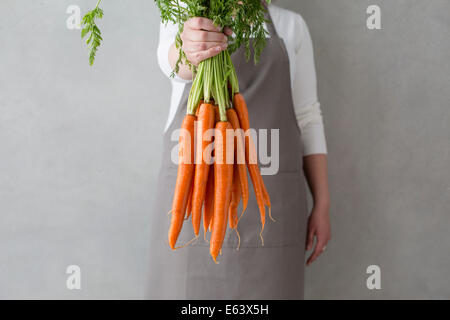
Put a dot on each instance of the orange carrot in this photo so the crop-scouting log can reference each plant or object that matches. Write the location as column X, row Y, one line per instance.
column 266, row 197
column 239, row 150
column 223, row 181
column 242, row 112
column 189, row 204
column 198, row 108
column 209, row 200
column 184, row 178
column 205, row 121
column 216, row 119
column 254, row 176
column 211, row 219
column 235, row 199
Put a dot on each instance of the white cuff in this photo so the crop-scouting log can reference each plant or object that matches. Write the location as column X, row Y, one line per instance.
column 165, row 42
column 313, row 138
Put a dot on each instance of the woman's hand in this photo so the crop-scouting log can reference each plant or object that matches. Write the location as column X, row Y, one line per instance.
column 203, row 40
column 318, row 227
column 316, row 173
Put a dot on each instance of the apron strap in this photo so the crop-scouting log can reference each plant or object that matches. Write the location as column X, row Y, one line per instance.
column 269, row 25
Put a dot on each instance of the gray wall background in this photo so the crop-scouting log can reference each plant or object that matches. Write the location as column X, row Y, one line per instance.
column 78, row 148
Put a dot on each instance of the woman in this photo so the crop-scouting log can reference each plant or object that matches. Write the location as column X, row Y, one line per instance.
column 281, row 94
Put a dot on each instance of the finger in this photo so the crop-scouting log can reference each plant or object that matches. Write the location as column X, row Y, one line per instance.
column 227, row 31
column 190, row 46
column 310, row 239
column 207, row 36
column 197, row 57
column 317, row 252
column 198, row 23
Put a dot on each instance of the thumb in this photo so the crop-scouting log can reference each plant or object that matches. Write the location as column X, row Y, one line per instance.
column 228, row 31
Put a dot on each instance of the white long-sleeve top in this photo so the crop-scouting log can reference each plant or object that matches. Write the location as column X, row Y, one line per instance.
column 291, row 27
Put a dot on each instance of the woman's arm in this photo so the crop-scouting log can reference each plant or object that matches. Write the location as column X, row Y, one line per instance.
column 309, row 116
column 316, row 173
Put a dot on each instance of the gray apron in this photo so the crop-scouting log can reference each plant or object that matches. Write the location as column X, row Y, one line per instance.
column 272, row 271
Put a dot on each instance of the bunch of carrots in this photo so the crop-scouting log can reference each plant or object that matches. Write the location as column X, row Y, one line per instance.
column 212, row 189
column 212, row 180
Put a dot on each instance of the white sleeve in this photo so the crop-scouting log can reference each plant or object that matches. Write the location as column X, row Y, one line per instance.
column 167, row 34
column 306, row 105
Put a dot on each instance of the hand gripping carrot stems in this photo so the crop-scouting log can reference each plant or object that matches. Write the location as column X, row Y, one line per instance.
column 213, row 190
column 214, row 100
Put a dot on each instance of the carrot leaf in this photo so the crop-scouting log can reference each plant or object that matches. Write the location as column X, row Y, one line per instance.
column 89, row 26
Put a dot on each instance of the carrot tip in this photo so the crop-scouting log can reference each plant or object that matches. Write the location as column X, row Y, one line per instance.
column 260, row 235
column 242, row 213
column 239, row 239
column 270, row 215
column 204, row 237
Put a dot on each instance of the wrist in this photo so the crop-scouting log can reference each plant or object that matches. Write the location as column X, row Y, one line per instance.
column 322, row 203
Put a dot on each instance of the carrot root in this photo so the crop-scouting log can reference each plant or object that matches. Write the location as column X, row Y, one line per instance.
column 186, row 244
column 260, row 235
column 239, row 239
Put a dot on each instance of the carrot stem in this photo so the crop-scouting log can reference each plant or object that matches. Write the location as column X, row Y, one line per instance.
column 197, row 89
column 208, row 80
column 233, row 76
column 220, row 96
